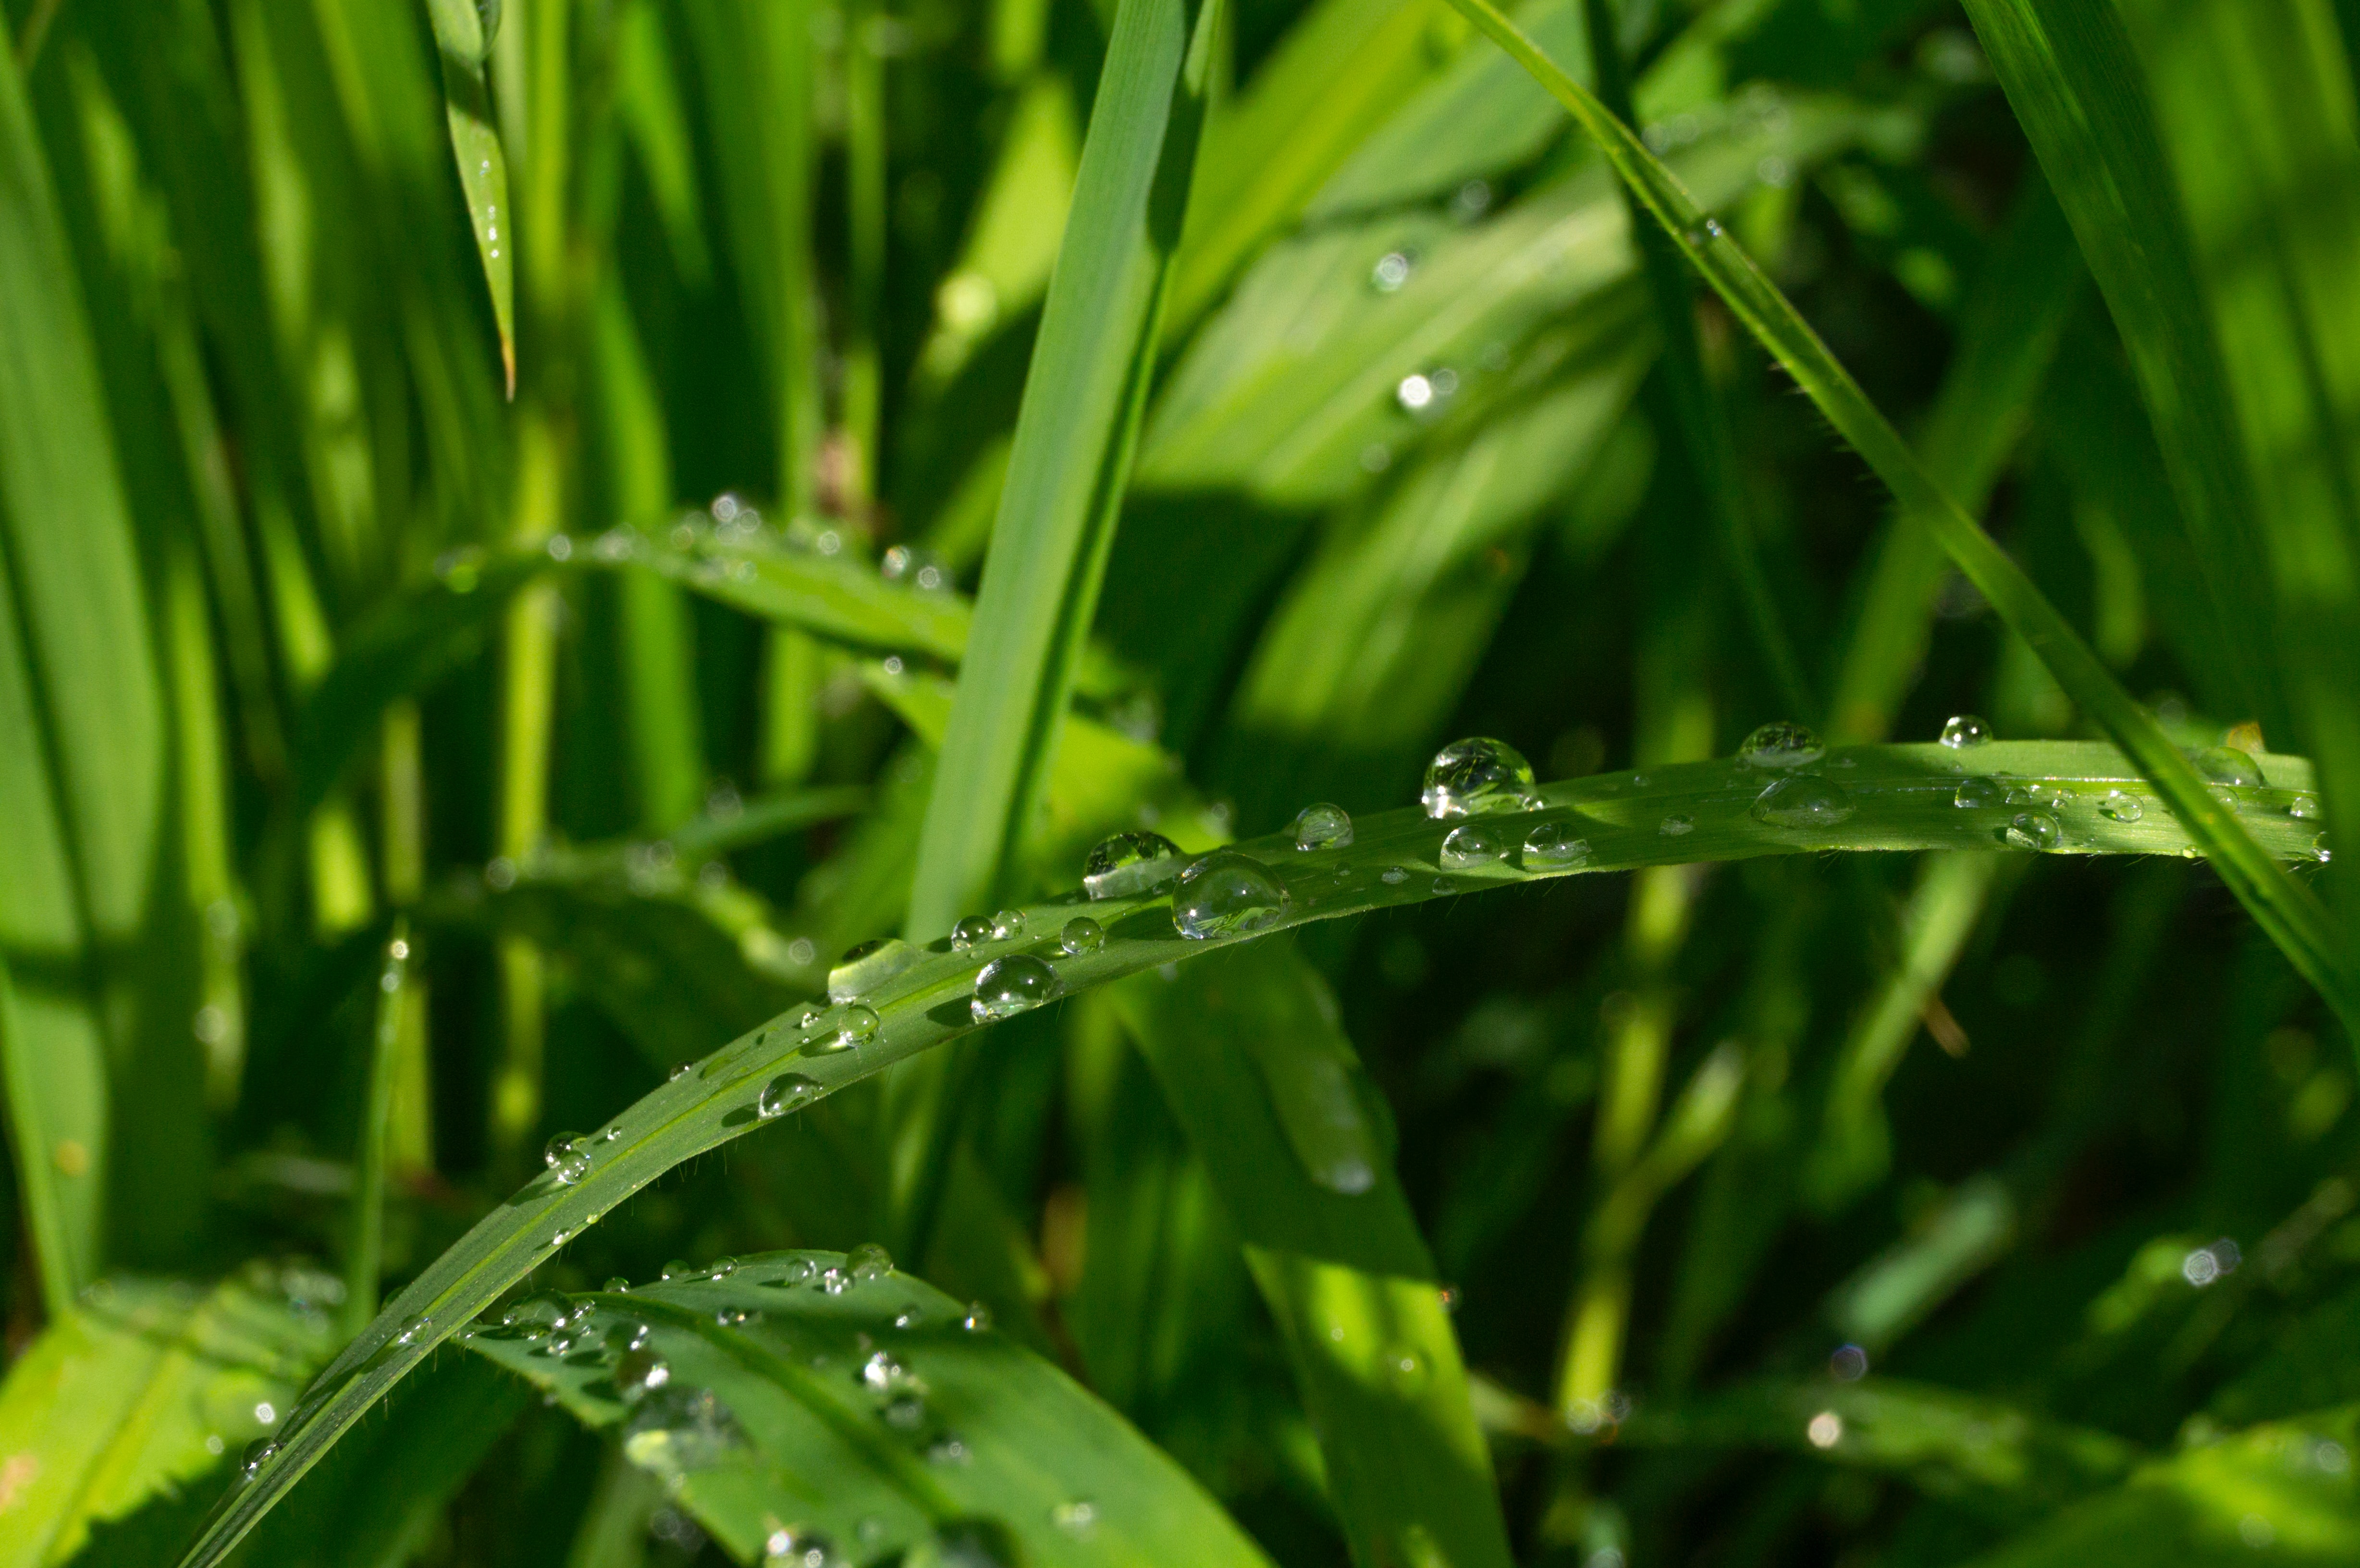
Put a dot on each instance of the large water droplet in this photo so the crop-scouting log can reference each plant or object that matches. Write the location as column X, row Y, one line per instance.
column 1227, row 894
column 1980, row 793
column 1800, row 801
column 1476, row 777
column 1010, row 985
column 566, row 1159
column 1007, row 925
column 864, row 968
column 1963, row 730
column 971, row 931
column 1082, row 935
column 2225, row 765
column 1129, row 863
column 1553, row 846
column 2306, row 807
column 783, row 1094
column 868, row 1262
column 1781, row 745
column 1476, row 844
column 543, row 1310
column 855, row 1025
column 1323, row 826
column 2121, row 807
column 2033, row 830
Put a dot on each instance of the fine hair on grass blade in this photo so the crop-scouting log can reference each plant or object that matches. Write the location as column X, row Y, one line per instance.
column 2077, row 798
column 2290, row 912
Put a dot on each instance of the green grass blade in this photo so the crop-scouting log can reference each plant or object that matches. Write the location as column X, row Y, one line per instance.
column 364, row 1230
column 483, row 165
column 38, row 1079
column 2292, row 914
column 2208, row 156
column 141, row 1391
column 1904, row 798
column 1074, row 434
column 1254, row 1068
column 836, row 1397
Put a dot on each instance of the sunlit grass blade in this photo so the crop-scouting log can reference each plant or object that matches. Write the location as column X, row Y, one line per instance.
column 1256, row 1071
column 2292, row 915
column 795, row 1398
column 138, row 1393
column 1902, row 798
column 459, row 35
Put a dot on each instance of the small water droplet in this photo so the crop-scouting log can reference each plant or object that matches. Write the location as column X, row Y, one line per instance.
column 1781, row 745
column 883, row 1373
column 566, row 1159
column 1082, row 935
column 1801, row 800
column 783, row 1094
column 1553, row 846
column 1393, row 270
column 1323, row 826
column 1475, row 844
column 639, row 1373
column 2305, row 807
column 978, row 1318
column 2033, row 830
column 864, row 968
column 1010, row 985
column 2121, row 807
column 1079, row 1517
column 1226, row 894
column 1416, row 393
column 680, row 1070
column 2319, row 850
column 257, row 1453
column 1007, row 925
column 800, row 1546
column 972, row 931
column 1130, row 863
column 1477, row 777
column 855, row 1025
column 413, row 1329
column 1404, row 1370
column 869, row 1262
column 1674, row 826
column 1393, row 875
column 904, row 1412
column 1979, row 793
column 678, row 1269
column 1965, row 730
column 949, row 1449
column 834, row 1281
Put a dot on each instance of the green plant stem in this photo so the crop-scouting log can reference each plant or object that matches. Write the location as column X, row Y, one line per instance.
column 2288, row 911
column 864, row 145
column 409, row 1119
column 365, row 1244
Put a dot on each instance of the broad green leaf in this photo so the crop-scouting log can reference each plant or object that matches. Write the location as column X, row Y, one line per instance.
column 1902, row 798
column 2289, row 911
column 1986, row 1455
column 483, row 166
column 796, row 1397
column 2282, row 1492
column 80, row 691
column 1252, row 1063
column 145, row 1388
column 2209, row 157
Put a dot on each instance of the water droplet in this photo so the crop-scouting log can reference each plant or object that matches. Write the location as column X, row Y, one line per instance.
column 566, row 1159
column 2306, row 807
column 680, row 1070
column 412, row 1330
column 2121, row 807
column 1010, row 985
column 1781, row 745
column 1416, row 393
column 1079, row 1517
column 1393, row 270
column 543, row 1310
column 978, row 1318
column 617, row 1285
column 834, row 1281
column 1801, row 800
column 2033, row 830
column 856, row 1026
column 1323, row 826
column 864, row 968
column 1393, row 875
column 1477, row 777
column 678, row 1269
column 1475, row 844
column 2226, row 798
column 783, row 1094
column 1082, row 935
column 2225, row 765
column 1963, row 730
column 800, row 1546
column 257, row 1453
column 1825, row 1429
column 972, row 931
column 884, row 1372
column 869, row 1262
column 1553, row 846
column 1979, row 793
column 2319, row 850
column 904, row 1412
column 1130, row 863
column 949, row 1449
column 1007, row 925
column 1226, row 894
column 1404, row 1370
column 1674, row 826
column 639, row 1373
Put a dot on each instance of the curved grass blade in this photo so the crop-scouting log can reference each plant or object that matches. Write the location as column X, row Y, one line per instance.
column 139, row 1390
column 459, row 40
column 808, row 1395
column 1249, row 1056
column 1900, row 798
column 2291, row 913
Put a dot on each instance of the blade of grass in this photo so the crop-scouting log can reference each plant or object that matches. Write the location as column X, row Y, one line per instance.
column 2290, row 913
column 1905, row 798
column 482, row 164
column 364, row 1230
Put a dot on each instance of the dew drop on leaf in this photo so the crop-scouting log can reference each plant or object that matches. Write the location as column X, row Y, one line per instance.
column 864, row 968
column 1802, row 802
column 783, row 1094
column 1010, row 985
column 566, row 1159
column 1323, row 826
column 1965, row 730
column 1674, row 826
column 2121, row 806
column 1475, row 844
column 1781, row 745
column 1227, row 894
column 1082, row 935
column 971, row 931
column 2033, row 830
column 1979, row 793
column 1553, row 846
column 1476, row 777
column 1130, row 863
column 868, row 1262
